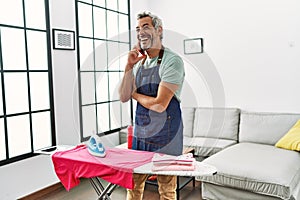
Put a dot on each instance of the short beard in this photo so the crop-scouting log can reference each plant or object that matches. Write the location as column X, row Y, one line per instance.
column 149, row 45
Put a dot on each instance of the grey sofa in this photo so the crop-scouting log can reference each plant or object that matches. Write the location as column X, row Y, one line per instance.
column 242, row 147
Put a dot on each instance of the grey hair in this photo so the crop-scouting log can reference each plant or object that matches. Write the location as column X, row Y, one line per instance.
column 156, row 21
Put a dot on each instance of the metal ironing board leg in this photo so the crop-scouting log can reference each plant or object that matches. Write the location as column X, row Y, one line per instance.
column 111, row 189
column 102, row 192
column 94, row 184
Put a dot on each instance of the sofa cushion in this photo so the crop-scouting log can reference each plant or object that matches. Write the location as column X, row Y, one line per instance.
column 258, row 168
column 291, row 140
column 216, row 123
column 206, row 146
column 265, row 128
column 188, row 121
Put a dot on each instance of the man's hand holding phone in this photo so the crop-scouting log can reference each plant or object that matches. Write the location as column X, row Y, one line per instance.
column 134, row 56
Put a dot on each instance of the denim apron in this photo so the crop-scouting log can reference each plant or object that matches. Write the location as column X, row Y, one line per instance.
column 153, row 131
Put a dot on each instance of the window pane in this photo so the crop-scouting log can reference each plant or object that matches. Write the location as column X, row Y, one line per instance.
column 86, row 54
column 11, row 12
column 87, row 87
column 123, row 61
column 103, row 117
column 89, row 120
column 112, row 4
column 124, row 48
column 123, row 28
column 16, row 92
column 126, row 116
column 99, row 23
column 34, row 8
column 41, row 129
column 123, row 6
column 113, row 55
column 85, row 20
column 106, row 62
column 115, row 115
column 112, row 25
column 13, row 48
column 24, row 91
column 39, row 91
column 114, row 83
column 100, row 55
column 1, row 100
column 102, row 87
column 2, row 140
column 114, row 65
column 99, row 3
column 37, row 50
column 18, row 135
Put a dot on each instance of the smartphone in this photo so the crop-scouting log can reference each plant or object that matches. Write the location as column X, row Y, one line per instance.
column 141, row 50
column 49, row 149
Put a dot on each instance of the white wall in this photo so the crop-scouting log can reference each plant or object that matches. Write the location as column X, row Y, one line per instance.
column 66, row 100
column 254, row 47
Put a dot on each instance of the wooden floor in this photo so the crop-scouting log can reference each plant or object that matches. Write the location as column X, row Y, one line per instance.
column 85, row 191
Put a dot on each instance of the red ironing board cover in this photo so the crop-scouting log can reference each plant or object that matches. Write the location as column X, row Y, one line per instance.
column 116, row 167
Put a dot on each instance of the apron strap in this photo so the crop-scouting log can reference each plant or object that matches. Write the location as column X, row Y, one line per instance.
column 160, row 55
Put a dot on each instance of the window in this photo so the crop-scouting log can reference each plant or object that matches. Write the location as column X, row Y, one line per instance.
column 104, row 41
column 26, row 103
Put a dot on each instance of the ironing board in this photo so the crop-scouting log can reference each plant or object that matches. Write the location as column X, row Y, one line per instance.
column 115, row 168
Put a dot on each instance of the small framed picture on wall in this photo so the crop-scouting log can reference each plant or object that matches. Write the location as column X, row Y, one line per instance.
column 193, row 46
column 63, row 39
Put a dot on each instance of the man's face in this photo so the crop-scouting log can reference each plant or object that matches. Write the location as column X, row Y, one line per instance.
column 147, row 35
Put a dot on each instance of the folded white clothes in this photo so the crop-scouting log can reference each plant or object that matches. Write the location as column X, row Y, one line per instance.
column 162, row 159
